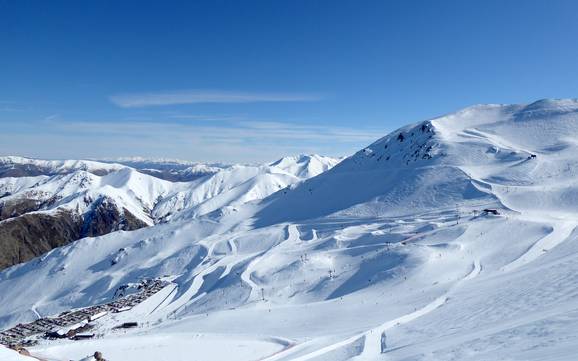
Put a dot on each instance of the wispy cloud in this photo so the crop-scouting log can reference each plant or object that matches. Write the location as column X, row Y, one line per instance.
column 243, row 141
column 197, row 117
column 253, row 132
column 205, row 96
column 52, row 117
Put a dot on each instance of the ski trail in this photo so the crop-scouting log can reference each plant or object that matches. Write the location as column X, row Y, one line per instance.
column 193, row 289
column 373, row 342
column 559, row 234
column 372, row 345
column 293, row 233
column 166, row 300
column 36, row 312
column 450, row 340
column 233, row 245
column 187, row 297
column 246, row 274
column 288, row 344
column 372, row 338
column 227, row 263
column 493, row 139
column 562, row 229
column 314, row 237
column 477, row 268
column 228, row 266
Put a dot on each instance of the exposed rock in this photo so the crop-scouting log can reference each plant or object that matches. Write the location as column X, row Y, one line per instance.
column 105, row 217
column 11, row 209
column 30, row 235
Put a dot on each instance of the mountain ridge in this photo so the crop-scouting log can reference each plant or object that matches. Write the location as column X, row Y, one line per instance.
column 123, row 198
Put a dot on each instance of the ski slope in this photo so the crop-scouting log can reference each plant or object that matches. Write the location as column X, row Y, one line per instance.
column 385, row 256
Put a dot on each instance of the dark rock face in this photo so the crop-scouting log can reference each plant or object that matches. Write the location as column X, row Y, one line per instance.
column 105, row 217
column 31, row 223
column 28, row 229
column 30, row 235
column 25, row 236
column 20, row 170
column 17, row 208
column 32, row 170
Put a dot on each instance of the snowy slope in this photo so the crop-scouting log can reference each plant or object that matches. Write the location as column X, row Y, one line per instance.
column 11, row 185
column 386, row 256
column 240, row 184
column 406, row 172
column 463, row 159
column 305, row 166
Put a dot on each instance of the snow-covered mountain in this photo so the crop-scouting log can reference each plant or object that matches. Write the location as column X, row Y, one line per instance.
column 450, row 239
column 240, row 184
column 86, row 198
column 170, row 169
column 11, row 166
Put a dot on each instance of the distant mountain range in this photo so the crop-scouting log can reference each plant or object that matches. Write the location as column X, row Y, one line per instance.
column 46, row 204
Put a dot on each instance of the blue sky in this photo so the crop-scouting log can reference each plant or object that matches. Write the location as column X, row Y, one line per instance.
column 246, row 81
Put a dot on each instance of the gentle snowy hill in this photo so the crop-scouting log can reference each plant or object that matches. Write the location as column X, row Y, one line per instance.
column 389, row 255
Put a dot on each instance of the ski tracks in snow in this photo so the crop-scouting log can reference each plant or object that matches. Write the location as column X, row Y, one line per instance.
column 560, row 232
column 371, row 340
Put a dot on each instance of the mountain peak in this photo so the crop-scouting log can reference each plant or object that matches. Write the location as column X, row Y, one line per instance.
column 549, row 103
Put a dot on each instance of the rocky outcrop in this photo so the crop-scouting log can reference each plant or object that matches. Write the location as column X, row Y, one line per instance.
column 11, row 209
column 29, row 235
column 105, row 217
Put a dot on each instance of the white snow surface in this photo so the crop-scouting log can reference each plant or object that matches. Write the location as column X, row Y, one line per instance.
column 385, row 256
column 7, row 354
column 152, row 199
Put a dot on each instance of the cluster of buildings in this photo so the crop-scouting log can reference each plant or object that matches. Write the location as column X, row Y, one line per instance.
column 72, row 324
